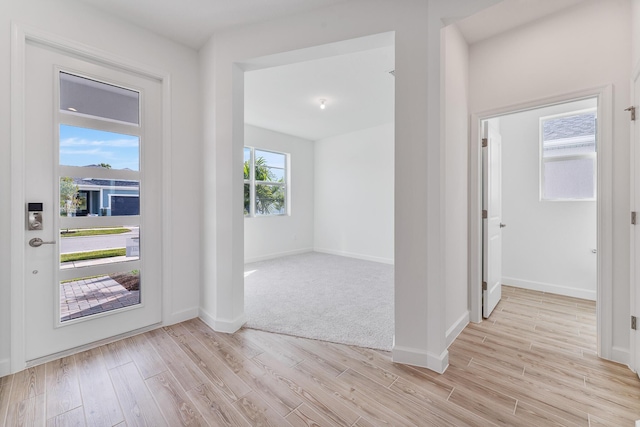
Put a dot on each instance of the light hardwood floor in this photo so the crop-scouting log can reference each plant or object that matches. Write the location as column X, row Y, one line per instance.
column 532, row 364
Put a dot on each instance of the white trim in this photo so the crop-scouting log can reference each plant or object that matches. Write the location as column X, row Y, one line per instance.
column 5, row 367
column 634, row 287
column 222, row 325
column 18, row 351
column 19, row 35
column 457, row 327
column 277, row 255
column 621, row 355
column 355, row 255
column 180, row 316
column 550, row 288
column 604, row 303
column 89, row 346
column 420, row 358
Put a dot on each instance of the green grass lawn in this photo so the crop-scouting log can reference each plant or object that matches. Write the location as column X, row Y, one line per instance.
column 93, row 232
column 81, row 256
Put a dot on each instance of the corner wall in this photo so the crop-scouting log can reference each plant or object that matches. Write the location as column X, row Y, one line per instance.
column 84, row 24
column 456, row 134
column 568, row 52
column 547, row 245
column 275, row 236
column 353, row 190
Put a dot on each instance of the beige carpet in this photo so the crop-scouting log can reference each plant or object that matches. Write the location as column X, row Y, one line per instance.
column 320, row 296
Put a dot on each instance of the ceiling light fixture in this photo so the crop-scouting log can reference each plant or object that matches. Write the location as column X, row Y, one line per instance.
column 322, row 104
column 71, row 109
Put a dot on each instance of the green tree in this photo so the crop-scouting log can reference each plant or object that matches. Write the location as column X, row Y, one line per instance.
column 104, row 165
column 68, row 195
column 269, row 198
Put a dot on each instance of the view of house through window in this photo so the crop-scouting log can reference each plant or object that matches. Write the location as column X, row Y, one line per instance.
column 568, row 156
column 99, row 195
column 265, row 176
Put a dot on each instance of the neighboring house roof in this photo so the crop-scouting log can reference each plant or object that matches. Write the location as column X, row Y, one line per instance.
column 104, row 182
column 94, row 182
column 578, row 125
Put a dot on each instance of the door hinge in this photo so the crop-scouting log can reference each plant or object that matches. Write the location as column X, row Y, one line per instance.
column 633, row 218
column 484, row 286
column 634, row 323
column 633, row 112
column 485, row 142
column 485, row 214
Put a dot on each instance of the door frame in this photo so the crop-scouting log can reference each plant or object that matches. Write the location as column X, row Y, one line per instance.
column 604, row 203
column 20, row 36
column 634, row 284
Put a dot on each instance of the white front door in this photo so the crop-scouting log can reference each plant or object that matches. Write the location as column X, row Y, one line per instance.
column 491, row 224
column 92, row 183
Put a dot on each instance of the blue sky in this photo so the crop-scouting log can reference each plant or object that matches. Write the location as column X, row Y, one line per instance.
column 83, row 147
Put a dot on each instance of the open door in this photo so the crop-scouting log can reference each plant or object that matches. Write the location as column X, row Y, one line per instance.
column 492, row 217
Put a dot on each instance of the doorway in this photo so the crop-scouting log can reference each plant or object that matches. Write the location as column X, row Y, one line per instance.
column 319, row 135
column 65, row 169
column 595, row 256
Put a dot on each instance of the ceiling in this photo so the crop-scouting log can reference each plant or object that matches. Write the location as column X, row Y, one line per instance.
column 358, row 89
column 507, row 15
column 193, row 22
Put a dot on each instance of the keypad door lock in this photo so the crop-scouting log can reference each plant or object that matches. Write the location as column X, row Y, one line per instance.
column 34, row 216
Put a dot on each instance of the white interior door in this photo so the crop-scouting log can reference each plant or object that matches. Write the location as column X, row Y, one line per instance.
column 491, row 224
column 92, row 163
column 635, row 285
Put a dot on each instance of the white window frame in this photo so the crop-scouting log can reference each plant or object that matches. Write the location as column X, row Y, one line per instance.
column 543, row 160
column 252, row 183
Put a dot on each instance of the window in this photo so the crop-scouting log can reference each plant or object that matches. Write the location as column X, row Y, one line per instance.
column 568, row 156
column 265, row 179
column 99, row 168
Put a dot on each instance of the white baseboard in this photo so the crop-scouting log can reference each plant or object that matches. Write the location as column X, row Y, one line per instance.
column 277, row 255
column 420, row 358
column 5, row 367
column 621, row 355
column 223, row 325
column 457, row 327
column 550, row 288
column 354, row 255
column 181, row 316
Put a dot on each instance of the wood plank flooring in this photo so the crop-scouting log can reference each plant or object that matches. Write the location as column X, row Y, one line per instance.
column 533, row 363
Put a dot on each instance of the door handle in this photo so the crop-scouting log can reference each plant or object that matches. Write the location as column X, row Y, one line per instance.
column 502, row 225
column 36, row 242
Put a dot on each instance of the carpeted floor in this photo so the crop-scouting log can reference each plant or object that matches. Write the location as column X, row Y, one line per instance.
column 321, row 296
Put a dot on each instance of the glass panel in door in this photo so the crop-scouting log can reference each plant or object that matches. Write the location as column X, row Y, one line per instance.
column 99, row 178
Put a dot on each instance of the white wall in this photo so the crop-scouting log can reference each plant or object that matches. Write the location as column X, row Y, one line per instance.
column 456, row 133
column 79, row 22
column 273, row 236
column 419, row 288
column 353, row 189
column 635, row 19
column 547, row 246
column 584, row 47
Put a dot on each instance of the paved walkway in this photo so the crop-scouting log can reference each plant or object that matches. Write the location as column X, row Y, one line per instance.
column 92, row 296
